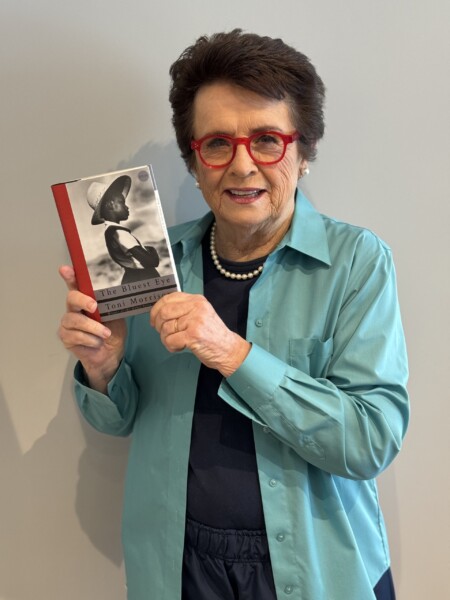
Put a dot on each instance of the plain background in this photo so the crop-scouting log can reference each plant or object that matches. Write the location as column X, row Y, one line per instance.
column 84, row 90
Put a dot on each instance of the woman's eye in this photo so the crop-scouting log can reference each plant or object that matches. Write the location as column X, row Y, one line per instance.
column 267, row 139
column 217, row 142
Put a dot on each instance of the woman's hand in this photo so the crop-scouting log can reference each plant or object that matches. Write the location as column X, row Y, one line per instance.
column 189, row 321
column 99, row 349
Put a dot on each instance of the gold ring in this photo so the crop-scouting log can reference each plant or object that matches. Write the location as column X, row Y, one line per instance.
column 175, row 330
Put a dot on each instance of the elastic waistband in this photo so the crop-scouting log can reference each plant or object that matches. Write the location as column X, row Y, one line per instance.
column 231, row 544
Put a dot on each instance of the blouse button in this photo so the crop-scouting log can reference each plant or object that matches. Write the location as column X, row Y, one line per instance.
column 280, row 537
column 273, row 482
column 258, row 323
column 288, row 589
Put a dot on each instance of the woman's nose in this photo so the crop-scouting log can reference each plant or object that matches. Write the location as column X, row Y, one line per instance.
column 242, row 163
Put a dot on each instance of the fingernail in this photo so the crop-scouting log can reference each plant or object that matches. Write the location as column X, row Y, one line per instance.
column 92, row 306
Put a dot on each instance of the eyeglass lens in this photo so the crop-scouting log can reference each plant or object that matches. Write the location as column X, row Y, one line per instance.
column 264, row 148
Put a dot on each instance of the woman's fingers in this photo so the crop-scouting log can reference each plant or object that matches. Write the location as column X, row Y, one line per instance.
column 179, row 313
column 190, row 321
column 68, row 275
column 76, row 301
column 171, row 306
column 77, row 329
column 100, row 349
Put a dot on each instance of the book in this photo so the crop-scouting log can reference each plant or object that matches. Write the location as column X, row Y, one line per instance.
column 117, row 239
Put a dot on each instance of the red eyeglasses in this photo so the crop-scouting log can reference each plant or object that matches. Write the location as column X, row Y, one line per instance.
column 265, row 148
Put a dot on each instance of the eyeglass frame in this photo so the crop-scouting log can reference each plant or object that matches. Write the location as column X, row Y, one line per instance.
column 287, row 138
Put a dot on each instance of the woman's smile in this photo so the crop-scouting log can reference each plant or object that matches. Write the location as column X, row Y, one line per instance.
column 244, row 195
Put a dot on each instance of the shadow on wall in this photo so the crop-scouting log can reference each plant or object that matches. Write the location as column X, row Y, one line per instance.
column 180, row 199
column 38, row 505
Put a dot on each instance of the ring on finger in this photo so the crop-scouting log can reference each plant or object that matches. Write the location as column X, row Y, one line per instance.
column 175, row 325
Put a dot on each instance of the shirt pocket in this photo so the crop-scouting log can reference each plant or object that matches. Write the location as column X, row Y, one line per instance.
column 311, row 355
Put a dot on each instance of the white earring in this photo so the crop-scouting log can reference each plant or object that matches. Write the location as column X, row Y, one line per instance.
column 304, row 172
column 197, row 185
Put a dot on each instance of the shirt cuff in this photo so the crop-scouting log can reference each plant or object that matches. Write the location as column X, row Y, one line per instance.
column 258, row 378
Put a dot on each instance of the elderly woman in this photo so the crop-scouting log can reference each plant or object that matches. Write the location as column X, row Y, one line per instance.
column 265, row 398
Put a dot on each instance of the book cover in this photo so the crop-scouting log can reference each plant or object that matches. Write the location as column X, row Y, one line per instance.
column 117, row 239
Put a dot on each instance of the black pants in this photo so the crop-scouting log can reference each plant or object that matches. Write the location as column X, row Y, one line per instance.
column 226, row 564
column 384, row 590
column 229, row 564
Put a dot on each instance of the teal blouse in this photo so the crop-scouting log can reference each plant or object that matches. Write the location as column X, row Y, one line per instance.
column 324, row 386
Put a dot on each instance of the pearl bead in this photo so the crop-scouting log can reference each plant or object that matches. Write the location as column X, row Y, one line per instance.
column 224, row 272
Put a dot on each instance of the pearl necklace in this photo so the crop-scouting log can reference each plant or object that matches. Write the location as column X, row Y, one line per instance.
column 222, row 270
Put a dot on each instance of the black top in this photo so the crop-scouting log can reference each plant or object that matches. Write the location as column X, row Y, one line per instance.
column 223, row 486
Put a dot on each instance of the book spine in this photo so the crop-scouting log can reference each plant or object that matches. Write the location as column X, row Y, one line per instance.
column 73, row 243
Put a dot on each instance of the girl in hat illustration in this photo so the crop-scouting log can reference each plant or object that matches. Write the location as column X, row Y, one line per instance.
column 109, row 205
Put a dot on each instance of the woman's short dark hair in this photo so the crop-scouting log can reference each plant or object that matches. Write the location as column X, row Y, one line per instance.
column 263, row 65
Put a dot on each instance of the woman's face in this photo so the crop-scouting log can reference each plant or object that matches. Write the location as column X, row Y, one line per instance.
column 245, row 194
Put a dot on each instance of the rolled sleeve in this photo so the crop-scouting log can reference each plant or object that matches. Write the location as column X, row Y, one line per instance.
column 113, row 413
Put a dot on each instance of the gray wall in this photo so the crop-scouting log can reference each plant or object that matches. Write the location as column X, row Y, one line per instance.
column 84, row 90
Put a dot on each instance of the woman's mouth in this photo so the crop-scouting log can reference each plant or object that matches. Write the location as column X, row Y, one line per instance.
column 245, row 196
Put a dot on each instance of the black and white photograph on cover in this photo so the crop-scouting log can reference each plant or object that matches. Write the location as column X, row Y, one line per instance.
column 109, row 205
column 120, row 229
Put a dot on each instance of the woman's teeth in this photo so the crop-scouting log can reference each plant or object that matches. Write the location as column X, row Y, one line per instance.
column 245, row 193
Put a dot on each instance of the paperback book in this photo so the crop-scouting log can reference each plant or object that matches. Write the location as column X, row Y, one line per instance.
column 117, row 239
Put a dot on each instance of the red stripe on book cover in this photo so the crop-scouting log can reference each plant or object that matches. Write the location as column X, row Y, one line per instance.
column 73, row 243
